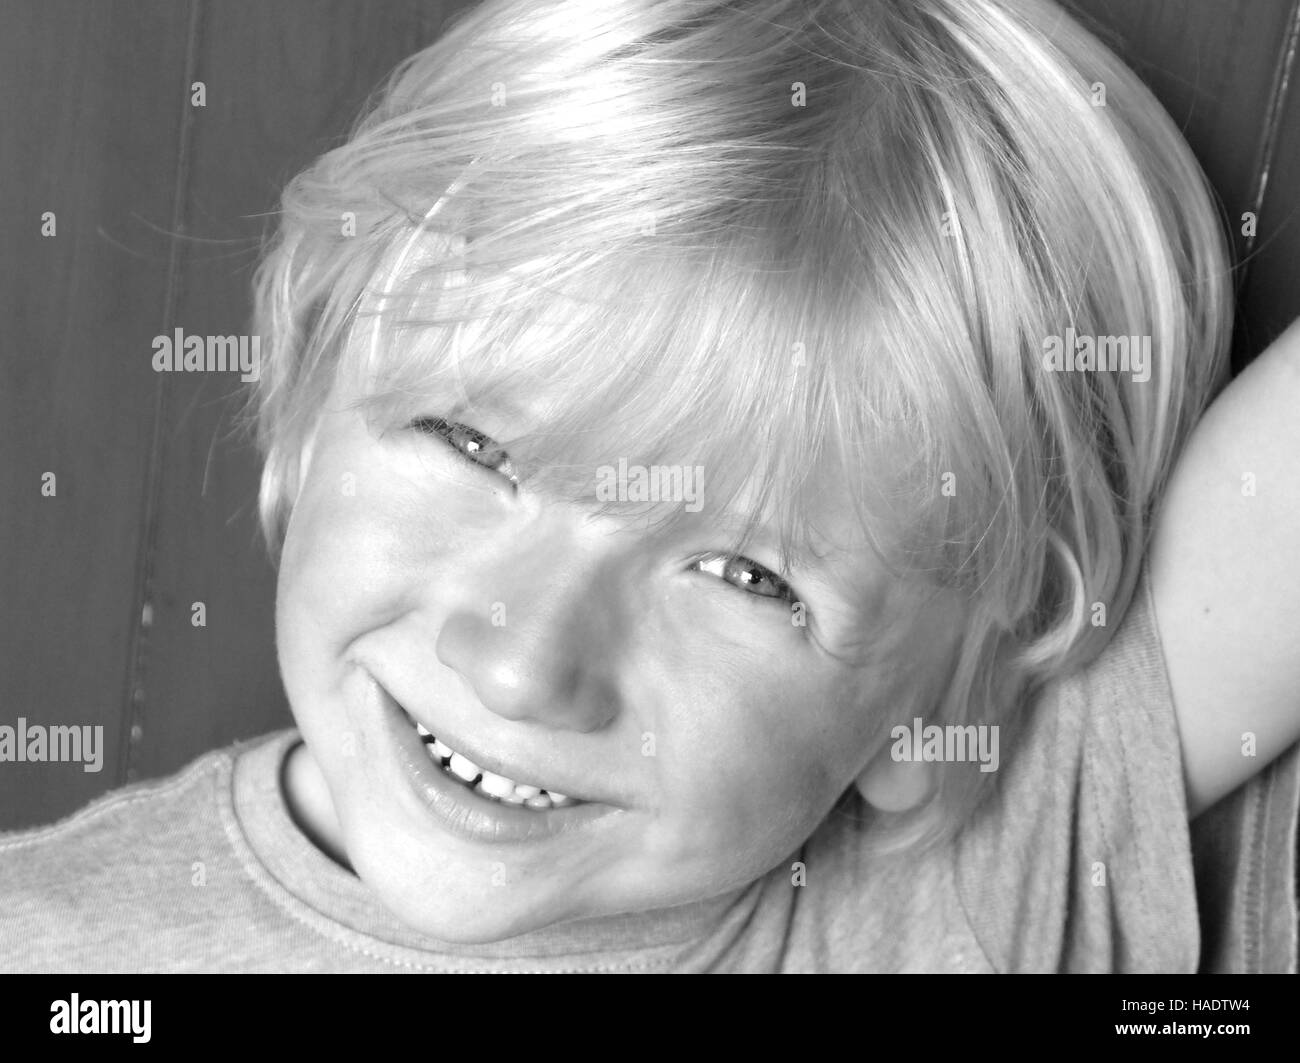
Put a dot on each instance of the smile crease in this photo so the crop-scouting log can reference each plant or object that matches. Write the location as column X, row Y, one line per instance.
column 486, row 783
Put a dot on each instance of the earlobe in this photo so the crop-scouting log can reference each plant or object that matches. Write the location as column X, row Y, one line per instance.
column 896, row 785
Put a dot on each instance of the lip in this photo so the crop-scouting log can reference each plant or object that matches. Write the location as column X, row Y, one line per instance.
column 463, row 812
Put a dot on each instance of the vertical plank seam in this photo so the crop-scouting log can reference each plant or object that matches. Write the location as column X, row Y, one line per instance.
column 1271, row 135
column 143, row 591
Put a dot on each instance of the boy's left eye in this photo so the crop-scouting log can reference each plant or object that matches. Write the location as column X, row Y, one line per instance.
column 470, row 444
column 747, row 575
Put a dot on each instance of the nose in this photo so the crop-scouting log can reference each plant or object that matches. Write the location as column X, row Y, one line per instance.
column 537, row 636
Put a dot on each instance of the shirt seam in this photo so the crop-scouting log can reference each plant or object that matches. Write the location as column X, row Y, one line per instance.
column 114, row 803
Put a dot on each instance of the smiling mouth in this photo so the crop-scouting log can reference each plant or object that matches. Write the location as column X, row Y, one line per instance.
column 488, row 784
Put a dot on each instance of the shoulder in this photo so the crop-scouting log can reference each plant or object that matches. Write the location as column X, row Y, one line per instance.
column 1225, row 572
column 82, row 891
column 1081, row 858
column 121, row 811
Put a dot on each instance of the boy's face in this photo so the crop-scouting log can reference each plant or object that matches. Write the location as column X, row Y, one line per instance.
column 704, row 733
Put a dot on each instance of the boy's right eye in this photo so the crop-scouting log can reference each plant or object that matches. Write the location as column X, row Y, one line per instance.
column 470, row 444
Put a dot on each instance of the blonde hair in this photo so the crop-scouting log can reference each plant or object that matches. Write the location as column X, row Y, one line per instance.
column 830, row 235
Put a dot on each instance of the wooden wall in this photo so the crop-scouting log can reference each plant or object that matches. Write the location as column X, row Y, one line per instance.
column 160, row 207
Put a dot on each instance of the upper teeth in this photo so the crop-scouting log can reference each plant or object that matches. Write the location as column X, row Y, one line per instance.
column 489, row 783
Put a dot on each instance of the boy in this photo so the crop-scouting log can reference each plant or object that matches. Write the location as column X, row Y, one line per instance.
column 846, row 270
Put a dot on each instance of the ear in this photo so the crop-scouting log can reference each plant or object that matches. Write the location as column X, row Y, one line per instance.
column 896, row 785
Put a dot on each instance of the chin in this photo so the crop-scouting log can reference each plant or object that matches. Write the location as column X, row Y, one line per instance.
column 460, row 908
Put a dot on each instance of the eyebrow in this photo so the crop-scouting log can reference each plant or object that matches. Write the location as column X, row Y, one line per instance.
column 860, row 588
column 764, row 536
column 491, row 404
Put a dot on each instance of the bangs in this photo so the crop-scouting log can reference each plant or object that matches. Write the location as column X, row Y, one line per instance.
column 708, row 359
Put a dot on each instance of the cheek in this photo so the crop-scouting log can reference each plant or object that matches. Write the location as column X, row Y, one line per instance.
column 342, row 564
column 763, row 761
column 745, row 812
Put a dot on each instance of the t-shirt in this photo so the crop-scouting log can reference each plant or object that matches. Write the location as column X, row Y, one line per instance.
column 1083, row 860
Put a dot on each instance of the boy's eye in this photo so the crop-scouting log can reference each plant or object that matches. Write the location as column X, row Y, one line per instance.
column 470, row 444
column 484, row 451
column 747, row 575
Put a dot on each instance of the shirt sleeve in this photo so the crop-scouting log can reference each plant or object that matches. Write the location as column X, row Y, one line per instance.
column 1081, row 860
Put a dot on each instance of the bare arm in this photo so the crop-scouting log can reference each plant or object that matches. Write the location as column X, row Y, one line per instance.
column 1225, row 574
